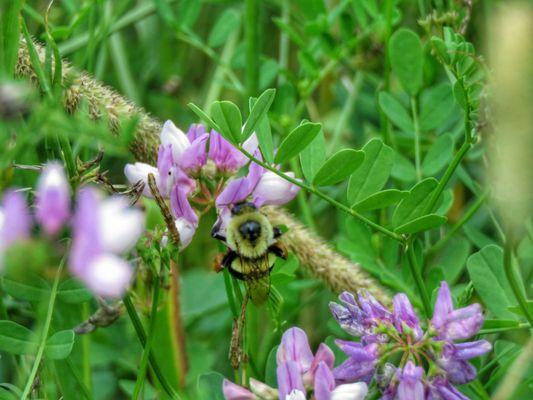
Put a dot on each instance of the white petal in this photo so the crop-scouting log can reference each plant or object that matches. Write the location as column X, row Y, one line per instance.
column 350, row 391
column 139, row 172
column 170, row 134
column 108, row 276
column 120, row 226
column 186, row 231
column 295, row 395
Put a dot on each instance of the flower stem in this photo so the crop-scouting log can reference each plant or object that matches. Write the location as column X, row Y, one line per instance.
column 513, row 279
column 141, row 334
column 44, row 334
column 464, row 219
column 417, row 276
column 251, row 32
column 323, row 196
column 447, row 175
column 414, row 114
column 147, row 348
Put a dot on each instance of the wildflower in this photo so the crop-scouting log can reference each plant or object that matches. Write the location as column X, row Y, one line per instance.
column 15, row 221
column 177, row 157
column 225, row 156
column 186, row 219
column 103, row 231
column 299, row 373
column 384, row 333
column 52, row 198
column 260, row 186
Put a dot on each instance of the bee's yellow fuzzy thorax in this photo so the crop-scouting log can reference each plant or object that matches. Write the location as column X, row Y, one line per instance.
column 243, row 246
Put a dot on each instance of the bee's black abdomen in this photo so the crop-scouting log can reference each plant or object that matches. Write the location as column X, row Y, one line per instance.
column 250, row 230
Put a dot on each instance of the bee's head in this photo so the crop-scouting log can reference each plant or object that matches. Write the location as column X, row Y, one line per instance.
column 243, row 207
column 250, row 230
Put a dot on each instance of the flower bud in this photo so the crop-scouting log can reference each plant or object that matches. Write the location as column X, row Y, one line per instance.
column 53, row 198
column 138, row 172
column 15, row 220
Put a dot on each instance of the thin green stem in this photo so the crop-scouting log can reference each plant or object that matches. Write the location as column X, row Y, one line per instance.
column 446, row 177
column 86, row 350
column 251, row 33
column 284, row 44
column 141, row 334
column 459, row 224
column 347, row 109
column 44, row 333
column 414, row 115
column 323, row 196
column 147, row 348
column 513, row 279
column 417, row 276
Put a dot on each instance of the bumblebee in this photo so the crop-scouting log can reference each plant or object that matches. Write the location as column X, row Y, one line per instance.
column 253, row 246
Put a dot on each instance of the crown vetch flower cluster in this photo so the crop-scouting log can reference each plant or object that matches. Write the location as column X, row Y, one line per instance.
column 102, row 229
column 299, row 373
column 406, row 362
column 199, row 168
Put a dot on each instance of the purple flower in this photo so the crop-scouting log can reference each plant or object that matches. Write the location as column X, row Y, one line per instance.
column 455, row 324
column 264, row 187
column 103, row 230
column 404, row 316
column 411, row 386
column 440, row 389
column 360, row 364
column 297, row 372
column 138, row 172
column 15, row 219
column 52, row 198
column 235, row 392
column 186, row 218
column 225, row 156
column 175, row 138
column 384, row 334
column 325, row 387
column 290, row 382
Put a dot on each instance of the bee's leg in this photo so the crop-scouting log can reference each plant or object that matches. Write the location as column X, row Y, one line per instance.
column 222, row 261
column 279, row 250
column 277, row 231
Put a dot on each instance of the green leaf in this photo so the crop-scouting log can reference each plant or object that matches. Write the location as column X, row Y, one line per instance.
column 373, row 173
column 73, row 291
column 264, row 138
column 486, row 272
column 338, row 167
column 411, row 207
column 396, row 112
column 31, row 288
column 259, row 111
column 8, row 395
column 299, row 138
column 452, row 258
column 403, row 169
column 459, row 94
column 436, row 106
column 228, row 118
column 203, row 116
column 407, row 59
column 380, row 200
column 210, row 386
column 270, row 368
column 313, row 156
column 59, row 345
column 438, row 155
column 10, row 26
column 17, row 339
column 499, row 323
column 423, row 223
column 226, row 24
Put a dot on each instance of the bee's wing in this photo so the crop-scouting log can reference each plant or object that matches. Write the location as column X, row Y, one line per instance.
column 258, row 281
